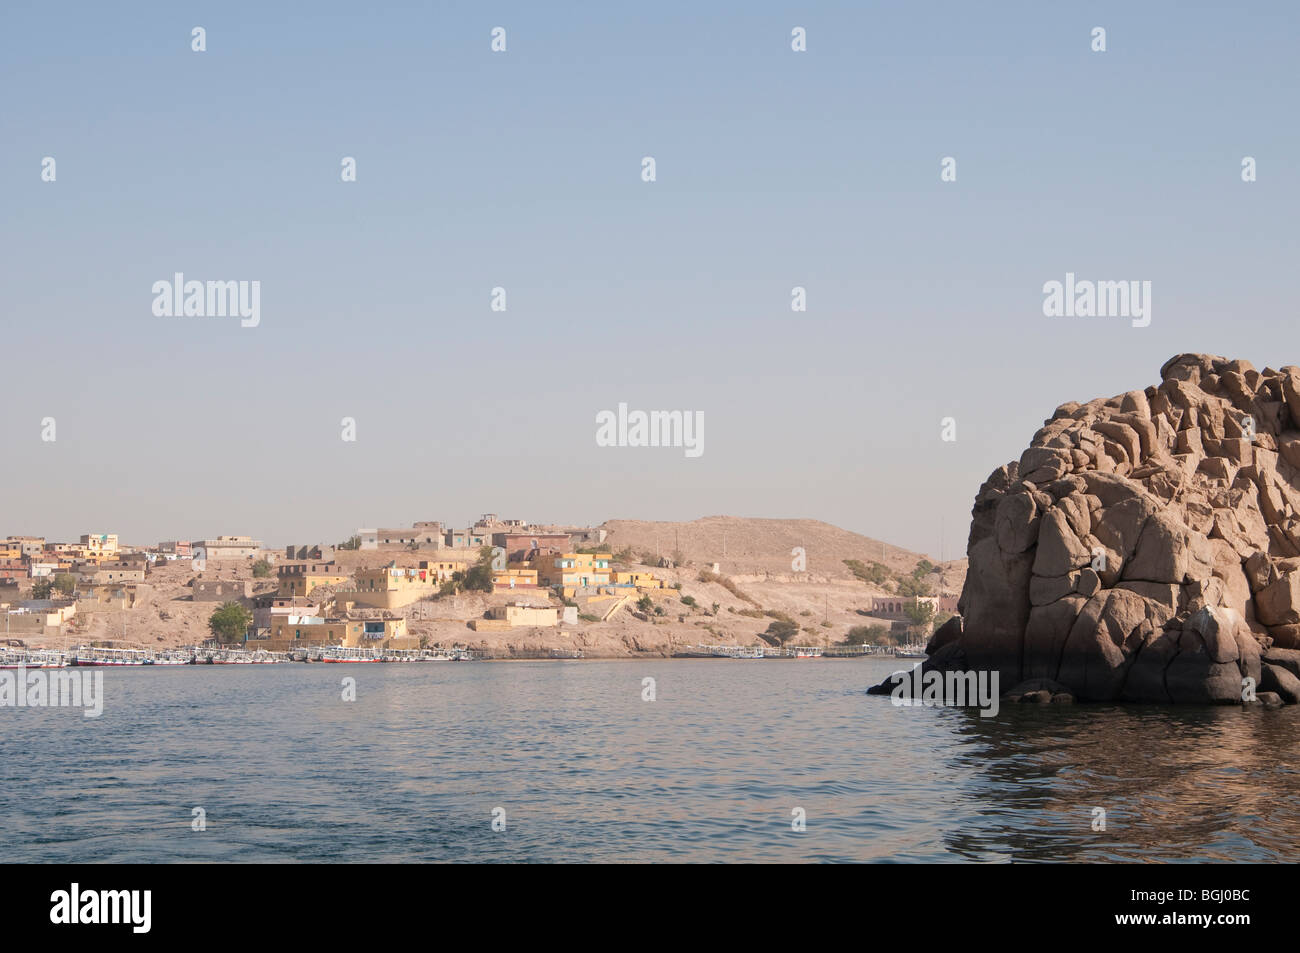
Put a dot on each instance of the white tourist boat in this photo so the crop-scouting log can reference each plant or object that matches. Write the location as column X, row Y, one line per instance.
column 339, row 653
column 90, row 656
column 737, row 651
column 13, row 658
column 46, row 658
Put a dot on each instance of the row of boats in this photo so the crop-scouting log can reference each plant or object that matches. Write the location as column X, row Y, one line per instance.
column 789, row 652
column 750, row 652
column 97, row 657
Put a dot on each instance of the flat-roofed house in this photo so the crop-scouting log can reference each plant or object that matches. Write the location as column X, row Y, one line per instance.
column 517, row 544
column 525, row 615
column 221, row 590
column 640, row 580
column 570, row 571
column 298, row 579
column 466, row 539
column 102, row 544
column 225, row 548
column 296, row 631
column 506, row 579
column 110, row 575
column 393, row 586
column 427, row 534
column 28, row 545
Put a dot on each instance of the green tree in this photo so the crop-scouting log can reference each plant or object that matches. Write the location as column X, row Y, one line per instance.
column 41, row 589
column 645, row 604
column 909, row 586
column 230, row 622
column 65, row 584
column 350, row 544
column 261, row 569
column 478, row 576
column 922, row 568
column 783, row 631
column 920, row 614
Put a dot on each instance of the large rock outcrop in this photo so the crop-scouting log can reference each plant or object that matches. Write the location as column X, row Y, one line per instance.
column 1144, row 548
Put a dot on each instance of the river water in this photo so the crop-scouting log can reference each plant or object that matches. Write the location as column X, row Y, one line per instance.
column 722, row 765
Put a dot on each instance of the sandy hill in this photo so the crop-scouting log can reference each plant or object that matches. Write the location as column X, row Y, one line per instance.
column 743, row 545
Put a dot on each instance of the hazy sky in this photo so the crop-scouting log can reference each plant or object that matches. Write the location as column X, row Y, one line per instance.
column 522, row 170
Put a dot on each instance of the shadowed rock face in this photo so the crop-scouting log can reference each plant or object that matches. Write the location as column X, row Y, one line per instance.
column 1144, row 548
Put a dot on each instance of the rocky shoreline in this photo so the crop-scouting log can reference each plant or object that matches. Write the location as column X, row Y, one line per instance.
column 1144, row 548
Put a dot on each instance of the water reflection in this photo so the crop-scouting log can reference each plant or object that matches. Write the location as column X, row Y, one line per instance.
column 1213, row 784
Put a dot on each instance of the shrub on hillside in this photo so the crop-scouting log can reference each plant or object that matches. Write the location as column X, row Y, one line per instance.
column 867, row 635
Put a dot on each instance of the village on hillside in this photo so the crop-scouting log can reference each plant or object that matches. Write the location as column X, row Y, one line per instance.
column 497, row 589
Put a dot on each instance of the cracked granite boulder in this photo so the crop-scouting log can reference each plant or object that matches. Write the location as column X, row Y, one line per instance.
column 1144, row 548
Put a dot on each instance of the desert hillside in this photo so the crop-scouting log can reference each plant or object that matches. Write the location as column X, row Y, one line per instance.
column 746, row 546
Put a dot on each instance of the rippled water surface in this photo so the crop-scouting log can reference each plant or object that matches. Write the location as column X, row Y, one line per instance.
column 586, row 770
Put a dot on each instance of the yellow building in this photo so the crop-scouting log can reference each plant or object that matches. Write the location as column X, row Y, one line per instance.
column 296, row 631
column 44, row 612
column 516, row 616
column 503, row 579
column 570, row 571
column 10, row 551
column 27, row 545
column 107, row 576
column 101, row 544
column 298, row 579
column 443, row 569
column 642, row 580
column 391, row 587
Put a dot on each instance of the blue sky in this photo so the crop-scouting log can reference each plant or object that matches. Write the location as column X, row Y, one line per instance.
column 522, row 170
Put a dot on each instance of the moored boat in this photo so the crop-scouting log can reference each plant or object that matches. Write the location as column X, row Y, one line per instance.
column 342, row 654
column 46, row 658
column 737, row 651
column 90, row 656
